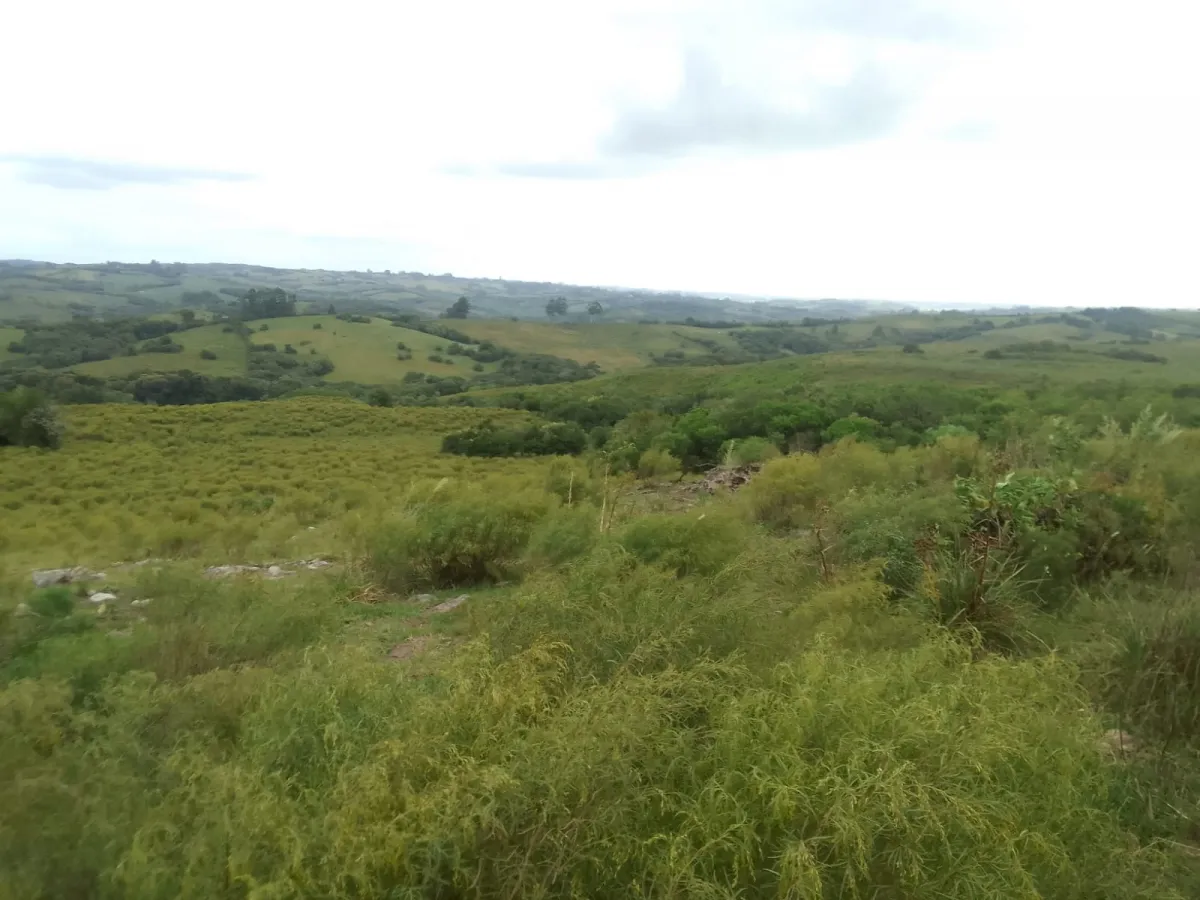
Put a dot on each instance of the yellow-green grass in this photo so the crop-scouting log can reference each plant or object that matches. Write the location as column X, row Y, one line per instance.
column 612, row 346
column 234, row 481
column 228, row 347
column 363, row 353
column 7, row 336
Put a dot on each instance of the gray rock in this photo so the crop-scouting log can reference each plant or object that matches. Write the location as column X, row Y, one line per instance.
column 226, row 571
column 141, row 603
column 44, row 578
column 275, row 572
column 414, row 646
column 102, row 597
column 318, row 564
column 22, row 610
column 423, row 599
column 451, row 604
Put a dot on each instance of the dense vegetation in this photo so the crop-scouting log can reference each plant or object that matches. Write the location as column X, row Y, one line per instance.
column 28, row 420
column 943, row 643
column 71, row 343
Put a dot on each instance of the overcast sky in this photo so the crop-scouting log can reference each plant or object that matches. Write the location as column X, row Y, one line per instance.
column 1038, row 151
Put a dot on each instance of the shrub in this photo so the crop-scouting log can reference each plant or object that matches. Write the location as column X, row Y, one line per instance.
column 785, row 494
column 855, row 426
column 207, row 354
column 550, row 439
column 565, row 535
column 52, row 603
column 466, row 540
column 28, row 420
column 689, row 544
column 749, row 451
column 655, row 464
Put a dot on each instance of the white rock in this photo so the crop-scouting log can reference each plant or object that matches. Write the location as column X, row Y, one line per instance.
column 275, row 572
column 141, row 603
column 226, row 571
column 102, row 597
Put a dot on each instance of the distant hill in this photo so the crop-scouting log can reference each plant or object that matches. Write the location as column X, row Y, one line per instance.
column 55, row 292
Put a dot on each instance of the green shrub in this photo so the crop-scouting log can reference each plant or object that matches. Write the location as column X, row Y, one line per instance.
column 52, row 603
column 564, row 535
column 749, row 451
column 786, row 493
column 655, row 464
column 464, row 540
column 28, row 420
column 689, row 544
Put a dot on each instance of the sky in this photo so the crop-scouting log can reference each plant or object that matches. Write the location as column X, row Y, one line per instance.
column 921, row 151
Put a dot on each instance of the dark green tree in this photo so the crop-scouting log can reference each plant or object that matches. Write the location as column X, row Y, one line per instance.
column 556, row 306
column 266, row 303
column 459, row 309
column 28, row 420
column 595, row 309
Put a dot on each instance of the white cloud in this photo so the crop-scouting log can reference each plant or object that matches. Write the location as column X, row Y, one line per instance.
column 1036, row 151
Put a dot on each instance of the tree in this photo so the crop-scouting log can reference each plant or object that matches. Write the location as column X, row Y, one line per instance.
column 266, row 303
column 595, row 309
column 556, row 306
column 28, row 420
column 459, row 309
column 188, row 317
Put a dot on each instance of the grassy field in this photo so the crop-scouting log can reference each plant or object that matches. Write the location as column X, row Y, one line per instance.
column 226, row 482
column 820, row 686
column 363, row 353
column 228, row 347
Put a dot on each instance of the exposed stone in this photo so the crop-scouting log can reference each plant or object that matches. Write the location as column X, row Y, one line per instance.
column 451, row 604
column 423, row 599
column 142, row 603
column 22, row 610
column 101, row 597
column 275, row 572
column 226, row 571
column 317, row 564
column 44, row 578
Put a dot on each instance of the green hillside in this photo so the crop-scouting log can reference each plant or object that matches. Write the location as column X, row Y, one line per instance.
column 612, row 346
column 50, row 292
column 364, row 353
column 229, row 348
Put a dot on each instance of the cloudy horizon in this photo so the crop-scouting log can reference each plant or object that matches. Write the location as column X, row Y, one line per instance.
column 918, row 151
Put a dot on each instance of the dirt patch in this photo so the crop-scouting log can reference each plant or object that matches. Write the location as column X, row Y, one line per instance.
column 414, row 646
